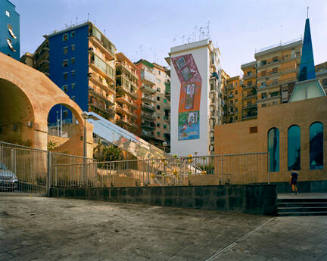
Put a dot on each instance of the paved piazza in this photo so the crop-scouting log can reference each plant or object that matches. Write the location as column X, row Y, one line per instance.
column 39, row 228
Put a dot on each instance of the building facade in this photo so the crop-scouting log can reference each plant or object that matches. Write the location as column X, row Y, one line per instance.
column 126, row 93
column 154, row 104
column 321, row 74
column 277, row 71
column 249, row 91
column 192, row 121
column 233, row 100
column 81, row 61
column 9, row 29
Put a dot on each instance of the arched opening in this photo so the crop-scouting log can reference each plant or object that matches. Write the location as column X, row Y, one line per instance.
column 316, row 145
column 63, row 125
column 294, row 148
column 273, row 149
column 16, row 115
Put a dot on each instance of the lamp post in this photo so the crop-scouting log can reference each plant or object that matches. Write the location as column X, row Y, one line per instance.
column 85, row 117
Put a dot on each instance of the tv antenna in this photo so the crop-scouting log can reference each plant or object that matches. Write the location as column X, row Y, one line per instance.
column 307, row 11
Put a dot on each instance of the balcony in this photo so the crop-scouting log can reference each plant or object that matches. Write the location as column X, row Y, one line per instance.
column 147, row 134
column 102, row 83
column 127, row 100
column 147, row 89
column 104, row 74
column 126, row 121
column 250, row 106
column 148, row 116
column 110, row 55
column 107, row 100
column 247, row 86
column 147, row 98
column 250, row 96
column 249, row 116
column 107, row 113
column 127, row 90
column 126, row 70
column 148, row 107
column 125, row 110
column 148, row 77
column 269, row 98
column 148, row 125
column 246, row 77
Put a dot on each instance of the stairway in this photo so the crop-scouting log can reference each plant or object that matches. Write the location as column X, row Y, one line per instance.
column 302, row 205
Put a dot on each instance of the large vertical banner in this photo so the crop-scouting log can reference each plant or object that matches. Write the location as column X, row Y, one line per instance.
column 189, row 99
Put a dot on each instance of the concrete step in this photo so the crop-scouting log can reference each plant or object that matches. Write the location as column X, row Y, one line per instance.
column 283, row 214
column 301, row 209
column 302, row 206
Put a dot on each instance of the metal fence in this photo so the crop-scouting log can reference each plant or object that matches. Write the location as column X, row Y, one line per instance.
column 38, row 170
column 170, row 171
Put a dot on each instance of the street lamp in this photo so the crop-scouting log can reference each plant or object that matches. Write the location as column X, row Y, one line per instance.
column 85, row 117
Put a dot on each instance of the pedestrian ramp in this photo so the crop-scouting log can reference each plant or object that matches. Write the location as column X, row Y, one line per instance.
column 122, row 138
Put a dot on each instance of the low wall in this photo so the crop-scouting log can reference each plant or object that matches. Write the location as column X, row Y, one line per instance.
column 256, row 199
column 318, row 186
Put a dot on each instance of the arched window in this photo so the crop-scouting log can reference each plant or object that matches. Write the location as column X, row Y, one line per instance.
column 294, row 147
column 316, row 145
column 273, row 149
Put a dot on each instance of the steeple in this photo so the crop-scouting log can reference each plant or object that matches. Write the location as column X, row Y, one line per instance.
column 307, row 86
column 307, row 67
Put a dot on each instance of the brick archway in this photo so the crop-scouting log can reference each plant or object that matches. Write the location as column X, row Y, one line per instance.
column 35, row 94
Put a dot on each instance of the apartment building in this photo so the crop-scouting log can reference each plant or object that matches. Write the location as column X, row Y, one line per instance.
column 233, row 100
column 277, row 71
column 126, row 93
column 196, row 97
column 9, row 29
column 147, row 101
column 321, row 74
column 81, row 60
column 249, row 91
column 162, row 106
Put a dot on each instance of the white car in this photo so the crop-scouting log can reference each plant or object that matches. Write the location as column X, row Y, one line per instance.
column 8, row 179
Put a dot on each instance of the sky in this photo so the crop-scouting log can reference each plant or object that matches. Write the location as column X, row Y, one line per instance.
column 149, row 28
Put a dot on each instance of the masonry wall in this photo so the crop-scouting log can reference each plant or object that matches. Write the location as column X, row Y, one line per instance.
column 256, row 199
column 251, row 136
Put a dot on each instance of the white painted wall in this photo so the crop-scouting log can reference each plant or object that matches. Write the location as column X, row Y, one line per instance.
column 201, row 58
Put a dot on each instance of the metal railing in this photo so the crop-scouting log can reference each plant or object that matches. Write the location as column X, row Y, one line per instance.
column 170, row 171
column 39, row 170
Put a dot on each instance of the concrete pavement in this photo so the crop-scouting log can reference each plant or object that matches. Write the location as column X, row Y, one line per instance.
column 38, row 228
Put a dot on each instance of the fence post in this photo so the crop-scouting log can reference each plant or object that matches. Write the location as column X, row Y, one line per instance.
column 49, row 169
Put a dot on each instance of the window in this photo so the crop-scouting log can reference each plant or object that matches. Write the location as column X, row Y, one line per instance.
column 65, row 88
column 236, row 92
column 158, row 125
column 165, row 126
column 73, row 73
column 65, row 37
column 10, row 45
column 158, row 98
column 158, row 133
column 11, row 31
column 316, row 146
column 65, row 63
column 65, row 75
column 73, row 60
column 73, row 86
column 273, row 149
column 73, row 47
column 72, row 34
column 165, row 100
column 65, row 50
column 7, row 13
column 294, row 147
column 158, row 89
column 275, row 70
column 158, row 107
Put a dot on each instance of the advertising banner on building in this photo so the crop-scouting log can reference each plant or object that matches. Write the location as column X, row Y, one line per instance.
column 190, row 96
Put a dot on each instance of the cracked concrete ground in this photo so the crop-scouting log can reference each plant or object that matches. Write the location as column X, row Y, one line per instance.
column 39, row 228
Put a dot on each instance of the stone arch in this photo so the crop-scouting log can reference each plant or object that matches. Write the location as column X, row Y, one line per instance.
column 42, row 95
column 16, row 114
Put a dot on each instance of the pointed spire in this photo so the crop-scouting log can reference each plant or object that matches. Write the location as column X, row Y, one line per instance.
column 307, row 67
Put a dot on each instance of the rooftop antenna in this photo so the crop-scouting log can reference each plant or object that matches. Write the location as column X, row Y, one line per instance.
column 76, row 20
column 208, row 29
column 88, row 17
column 307, row 11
